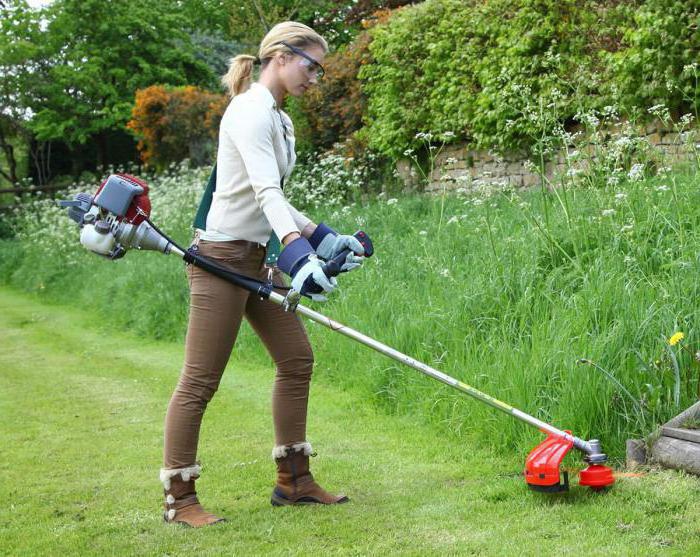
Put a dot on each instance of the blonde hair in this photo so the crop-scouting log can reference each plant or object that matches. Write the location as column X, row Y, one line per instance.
column 240, row 70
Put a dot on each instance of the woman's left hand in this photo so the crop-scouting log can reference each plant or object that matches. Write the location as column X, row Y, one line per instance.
column 329, row 244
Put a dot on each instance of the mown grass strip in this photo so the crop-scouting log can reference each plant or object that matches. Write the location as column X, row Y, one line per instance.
column 83, row 413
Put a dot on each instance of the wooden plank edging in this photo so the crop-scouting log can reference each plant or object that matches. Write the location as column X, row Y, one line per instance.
column 692, row 435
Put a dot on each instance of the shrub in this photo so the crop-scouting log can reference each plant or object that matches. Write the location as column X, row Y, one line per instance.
column 173, row 124
column 329, row 179
column 659, row 61
column 333, row 109
column 332, row 112
column 481, row 69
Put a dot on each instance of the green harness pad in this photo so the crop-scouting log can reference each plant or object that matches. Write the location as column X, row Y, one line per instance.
column 273, row 249
column 200, row 219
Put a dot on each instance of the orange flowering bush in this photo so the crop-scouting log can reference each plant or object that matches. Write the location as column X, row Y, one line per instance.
column 175, row 123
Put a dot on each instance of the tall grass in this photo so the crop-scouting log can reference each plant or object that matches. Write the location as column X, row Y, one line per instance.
column 507, row 291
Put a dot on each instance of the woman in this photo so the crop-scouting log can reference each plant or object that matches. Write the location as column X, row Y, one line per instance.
column 255, row 156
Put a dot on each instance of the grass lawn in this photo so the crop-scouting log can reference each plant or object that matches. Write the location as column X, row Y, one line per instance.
column 81, row 446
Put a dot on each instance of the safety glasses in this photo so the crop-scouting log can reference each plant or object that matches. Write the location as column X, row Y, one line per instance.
column 308, row 63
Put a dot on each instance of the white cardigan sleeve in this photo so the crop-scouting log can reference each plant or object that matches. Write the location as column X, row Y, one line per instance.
column 253, row 137
column 300, row 219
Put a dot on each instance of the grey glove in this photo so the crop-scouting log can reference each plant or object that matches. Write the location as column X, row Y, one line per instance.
column 313, row 268
column 300, row 262
column 328, row 244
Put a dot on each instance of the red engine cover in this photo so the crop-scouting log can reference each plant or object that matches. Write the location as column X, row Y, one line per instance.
column 140, row 208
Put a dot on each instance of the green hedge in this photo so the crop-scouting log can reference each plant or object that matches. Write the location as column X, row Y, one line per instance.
column 659, row 64
column 500, row 73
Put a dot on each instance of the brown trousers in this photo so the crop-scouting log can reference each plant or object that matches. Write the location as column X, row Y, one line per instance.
column 216, row 310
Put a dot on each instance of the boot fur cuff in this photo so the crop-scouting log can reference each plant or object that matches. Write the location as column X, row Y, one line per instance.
column 281, row 451
column 185, row 473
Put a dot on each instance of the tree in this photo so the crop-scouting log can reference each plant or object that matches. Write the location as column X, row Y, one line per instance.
column 246, row 22
column 20, row 64
column 214, row 50
column 97, row 54
column 250, row 20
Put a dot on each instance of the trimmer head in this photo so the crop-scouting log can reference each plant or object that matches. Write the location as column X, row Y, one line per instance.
column 542, row 465
column 596, row 476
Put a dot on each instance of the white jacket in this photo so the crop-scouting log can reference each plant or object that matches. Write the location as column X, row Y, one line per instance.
column 256, row 149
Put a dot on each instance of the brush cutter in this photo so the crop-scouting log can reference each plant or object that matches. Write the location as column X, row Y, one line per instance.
column 116, row 219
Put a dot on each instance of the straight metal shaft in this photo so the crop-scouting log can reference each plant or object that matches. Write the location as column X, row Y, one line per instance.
column 431, row 372
column 590, row 448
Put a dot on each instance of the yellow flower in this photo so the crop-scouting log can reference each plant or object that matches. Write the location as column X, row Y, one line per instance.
column 676, row 338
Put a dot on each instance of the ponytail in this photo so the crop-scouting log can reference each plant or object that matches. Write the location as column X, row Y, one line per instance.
column 239, row 75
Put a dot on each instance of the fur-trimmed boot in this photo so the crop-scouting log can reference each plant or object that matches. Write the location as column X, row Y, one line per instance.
column 181, row 503
column 295, row 484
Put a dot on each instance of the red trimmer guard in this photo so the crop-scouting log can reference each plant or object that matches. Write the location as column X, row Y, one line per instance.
column 542, row 465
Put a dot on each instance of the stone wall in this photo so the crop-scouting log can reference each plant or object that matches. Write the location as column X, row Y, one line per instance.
column 457, row 166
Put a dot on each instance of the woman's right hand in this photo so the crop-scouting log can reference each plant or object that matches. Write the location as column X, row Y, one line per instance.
column 299, row 260
column 310, row 280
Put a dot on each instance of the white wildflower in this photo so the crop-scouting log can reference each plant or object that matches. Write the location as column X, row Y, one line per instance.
column 591, row 120
column 607, row 212
column 623, row 142
column 423, row 233
column 392, row 201
column 530, row 166
column 636, row 173
column 660, row 111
